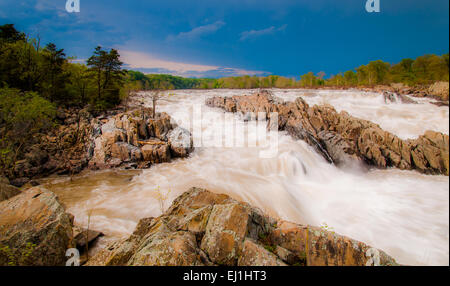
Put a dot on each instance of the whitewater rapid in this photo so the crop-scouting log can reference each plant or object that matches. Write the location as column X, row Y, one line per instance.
column 404, row 213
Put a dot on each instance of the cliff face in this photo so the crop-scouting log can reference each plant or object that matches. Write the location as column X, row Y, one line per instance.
column 204, row 228
column 342, row 138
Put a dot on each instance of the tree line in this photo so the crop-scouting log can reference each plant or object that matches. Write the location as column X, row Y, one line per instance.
column 423, row 70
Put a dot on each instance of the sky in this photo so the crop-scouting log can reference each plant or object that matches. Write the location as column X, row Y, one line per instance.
column 215, row 38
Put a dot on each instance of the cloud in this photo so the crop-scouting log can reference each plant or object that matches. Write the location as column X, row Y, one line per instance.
column 150, row 64
column 198, row 31
column 257, row 33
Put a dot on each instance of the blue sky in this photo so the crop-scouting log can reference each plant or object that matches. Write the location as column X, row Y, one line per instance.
column 234, row 37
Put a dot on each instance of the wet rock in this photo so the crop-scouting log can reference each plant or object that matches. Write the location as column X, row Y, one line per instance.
column 34, row 229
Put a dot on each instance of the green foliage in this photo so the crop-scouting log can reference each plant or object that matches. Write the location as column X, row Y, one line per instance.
column 426, row 69
column 22, row 116
column 105, row 68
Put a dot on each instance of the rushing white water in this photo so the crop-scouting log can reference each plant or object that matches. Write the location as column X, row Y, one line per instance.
column 404, row 213
column 407, row 121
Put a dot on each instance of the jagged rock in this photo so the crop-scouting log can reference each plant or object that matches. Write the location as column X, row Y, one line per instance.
column 204, row 228
column 343, row 139
column 181, row 142
column 156, row 153
column 7, row 191
column 134, row 136
column 34, row 229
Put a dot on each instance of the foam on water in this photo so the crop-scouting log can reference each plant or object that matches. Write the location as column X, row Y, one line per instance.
column 407, row 121
column 404, row 213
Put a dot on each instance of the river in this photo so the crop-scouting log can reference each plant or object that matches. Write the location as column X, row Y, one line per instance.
column 404, row 213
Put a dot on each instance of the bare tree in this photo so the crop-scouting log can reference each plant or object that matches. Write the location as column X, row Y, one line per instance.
column 155, row 95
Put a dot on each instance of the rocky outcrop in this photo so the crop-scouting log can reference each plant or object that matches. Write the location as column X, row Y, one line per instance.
column 7, row 191
column 135, row 139
column 129, row 139
column 204, row 228
column 343, row 139
column 34, row 229
column 63, row 150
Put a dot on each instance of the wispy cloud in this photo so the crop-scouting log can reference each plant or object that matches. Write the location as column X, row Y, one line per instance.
column 257, row 33
column 150, row 64
column 198, row 31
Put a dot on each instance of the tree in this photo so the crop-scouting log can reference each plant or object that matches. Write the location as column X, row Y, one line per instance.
column 362, row 75
column 79, row 84
column 55, row 78
column 403, row 72
column 350, row 78
column 377, row 71
column 106, row 69
column 9, row 34
column 308, row 79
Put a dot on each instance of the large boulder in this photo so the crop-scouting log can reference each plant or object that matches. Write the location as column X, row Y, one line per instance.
column 34, row 229
column 204, row 228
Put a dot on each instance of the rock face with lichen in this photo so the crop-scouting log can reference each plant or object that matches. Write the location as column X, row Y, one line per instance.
column 343, row 139
column 34, row 229
column 204, row 228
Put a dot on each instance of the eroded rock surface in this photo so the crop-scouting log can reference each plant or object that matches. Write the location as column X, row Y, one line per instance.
column 343, row 139
column 204, row 228
column 34, row 229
